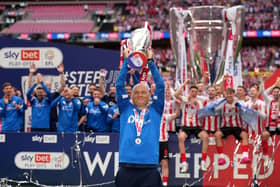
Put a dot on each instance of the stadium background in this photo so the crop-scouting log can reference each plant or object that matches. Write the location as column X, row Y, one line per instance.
column 102, row 24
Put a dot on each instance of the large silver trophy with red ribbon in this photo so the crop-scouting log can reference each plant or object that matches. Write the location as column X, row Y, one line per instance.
column 139, row 43
column 207, row 39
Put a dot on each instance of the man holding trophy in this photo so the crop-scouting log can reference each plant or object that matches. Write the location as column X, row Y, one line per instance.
column 139, row 121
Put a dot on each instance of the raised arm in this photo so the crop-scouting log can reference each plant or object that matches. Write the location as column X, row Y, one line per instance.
column 158, row 99
column 29, row 92
column 262, row 111
column 32, row 70
column 60, row 69
column 54, row 102
column 177, row 112
column 49, row 95
column 178, row 92
column 102, row 82
column 122, row 96
column 264, row 94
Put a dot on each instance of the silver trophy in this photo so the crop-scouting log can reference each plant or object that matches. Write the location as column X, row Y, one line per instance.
column 214, row 37
column 140, row 42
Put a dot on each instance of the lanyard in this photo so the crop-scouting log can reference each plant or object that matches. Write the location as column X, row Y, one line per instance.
column 139, row 121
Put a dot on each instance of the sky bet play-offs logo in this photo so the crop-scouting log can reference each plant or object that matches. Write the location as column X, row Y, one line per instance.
column 21, row 57
column 42, row 160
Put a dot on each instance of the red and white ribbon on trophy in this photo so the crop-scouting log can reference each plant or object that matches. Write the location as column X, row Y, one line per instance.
column 145, row 70
column 233, row 71
column 141, row 42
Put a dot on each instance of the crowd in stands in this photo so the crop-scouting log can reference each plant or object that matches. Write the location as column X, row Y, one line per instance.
column 259, row 15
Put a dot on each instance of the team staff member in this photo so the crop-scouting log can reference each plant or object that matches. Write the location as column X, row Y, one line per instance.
column 96, row 114
column 53, row 112
column 41, row 105
column 113, row 118
column 68, row 111
column 139, row 130
column 11, row 110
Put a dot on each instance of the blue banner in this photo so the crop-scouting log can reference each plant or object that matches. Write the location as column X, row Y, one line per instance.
column 80, row 159
column 92, row 159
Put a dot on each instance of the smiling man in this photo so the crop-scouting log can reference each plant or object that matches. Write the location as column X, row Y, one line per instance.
column 139, row 130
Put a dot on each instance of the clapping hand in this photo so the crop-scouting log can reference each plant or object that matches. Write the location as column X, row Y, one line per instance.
column 32, row 68
column 39, row 78
column 60, row 68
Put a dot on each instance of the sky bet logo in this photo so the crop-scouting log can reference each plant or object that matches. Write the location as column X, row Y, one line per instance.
column 30, row 55
column 25, row 55
column 42, row 158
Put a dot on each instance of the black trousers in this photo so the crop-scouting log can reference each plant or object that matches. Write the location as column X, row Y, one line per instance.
column 138, row 177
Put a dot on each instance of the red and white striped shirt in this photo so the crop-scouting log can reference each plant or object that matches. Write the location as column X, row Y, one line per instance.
column 189, row 114
column 169, row 108
column 165, row 119
column 210, row 123
column 273, row 115
column 261, row 115
column 230, row 115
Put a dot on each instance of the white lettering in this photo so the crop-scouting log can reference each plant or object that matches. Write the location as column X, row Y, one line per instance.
column 89, row 139
column 96, row 76
column 97, row 161
column 82, row 86
column 197, row 157
column 72, row 79
column 116, row 165
column 256, row 168
column 217, row 167
column 2, row 138
column 178, row 174
column 131, row 119
column 238, row 165
column 37, row 138
column 89, row 76
column 81, row 73
column 50, row 138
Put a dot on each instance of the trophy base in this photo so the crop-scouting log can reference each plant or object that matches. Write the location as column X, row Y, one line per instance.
column 137, row 60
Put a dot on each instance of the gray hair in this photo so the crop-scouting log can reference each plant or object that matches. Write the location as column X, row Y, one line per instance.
column 139, row 84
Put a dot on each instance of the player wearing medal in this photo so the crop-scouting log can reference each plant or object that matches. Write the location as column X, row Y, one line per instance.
column 139, row 130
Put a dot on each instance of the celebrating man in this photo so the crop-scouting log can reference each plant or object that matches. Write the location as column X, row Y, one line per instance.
column 139, row 130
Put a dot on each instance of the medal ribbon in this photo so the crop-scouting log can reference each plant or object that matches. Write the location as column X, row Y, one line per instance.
column 139, row 121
